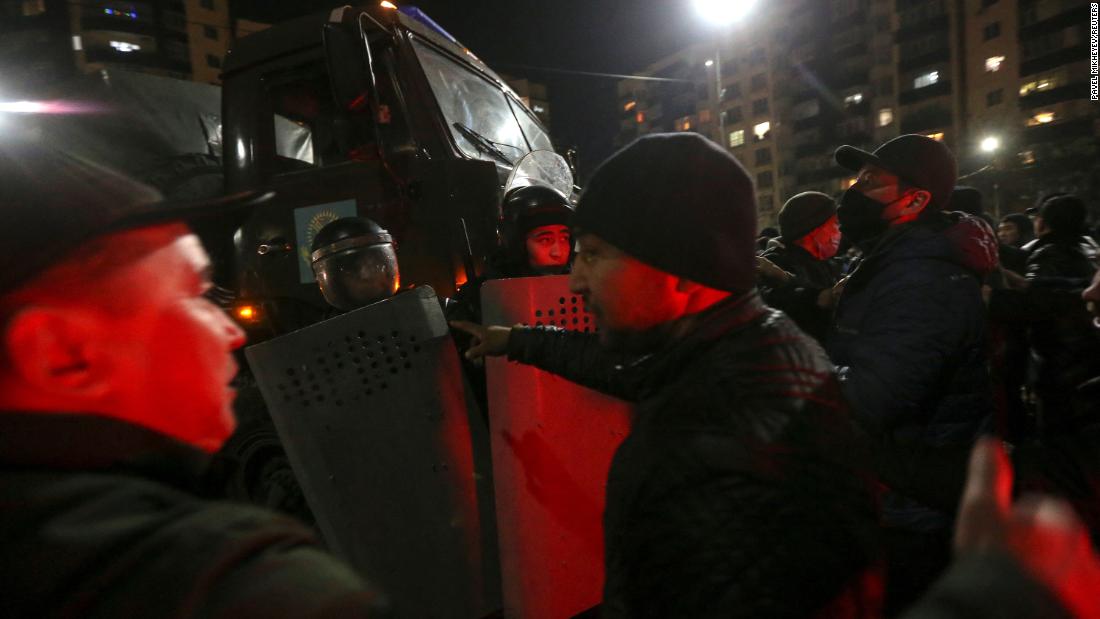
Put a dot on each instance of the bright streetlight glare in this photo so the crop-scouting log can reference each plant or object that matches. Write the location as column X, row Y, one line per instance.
column 723, row 12
column 709, row 63
column 990, row 144
column 23, row 107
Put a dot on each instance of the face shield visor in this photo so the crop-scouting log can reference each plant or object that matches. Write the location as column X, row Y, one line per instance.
column 357, row 271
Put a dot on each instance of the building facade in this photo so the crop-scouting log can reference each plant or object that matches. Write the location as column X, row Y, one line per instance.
column 42, row 40
column 1004, row 83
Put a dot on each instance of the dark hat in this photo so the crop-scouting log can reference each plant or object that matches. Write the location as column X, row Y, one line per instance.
column 803, row 213
column 1064, row 214
column 677, row 202
column 51, row 201
column 918, row 160
column 967, row 200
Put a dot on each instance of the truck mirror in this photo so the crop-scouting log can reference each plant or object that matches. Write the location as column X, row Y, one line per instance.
column 349, row 66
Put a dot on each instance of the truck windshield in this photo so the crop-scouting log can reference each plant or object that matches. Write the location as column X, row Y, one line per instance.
column 479, row 107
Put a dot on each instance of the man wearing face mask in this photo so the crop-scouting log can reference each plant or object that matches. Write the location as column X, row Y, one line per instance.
column 909, row 334
column 797, row 273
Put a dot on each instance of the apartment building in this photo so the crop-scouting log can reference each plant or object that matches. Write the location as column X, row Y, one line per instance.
column 42, row 40
column 1004, row 83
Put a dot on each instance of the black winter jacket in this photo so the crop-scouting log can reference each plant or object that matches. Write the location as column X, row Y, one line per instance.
column 739, row 491
column 910, row 343
column 797, row 297
column 98, row 520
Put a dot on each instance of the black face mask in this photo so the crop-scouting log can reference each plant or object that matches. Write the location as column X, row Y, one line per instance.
column 860, row 217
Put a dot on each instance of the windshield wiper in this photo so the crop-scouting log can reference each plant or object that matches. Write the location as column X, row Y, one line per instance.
column 485, row 144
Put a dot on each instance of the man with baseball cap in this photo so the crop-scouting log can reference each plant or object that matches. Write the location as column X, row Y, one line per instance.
column 114, row 390
column 738, row 491
column 797, row 272
column 909, row 329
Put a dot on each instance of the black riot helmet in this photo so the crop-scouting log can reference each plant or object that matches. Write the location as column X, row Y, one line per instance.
column 355, row 263
column 526, row 207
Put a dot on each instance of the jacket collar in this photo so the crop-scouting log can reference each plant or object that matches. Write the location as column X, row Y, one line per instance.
column 698, row 332
column 92, row 443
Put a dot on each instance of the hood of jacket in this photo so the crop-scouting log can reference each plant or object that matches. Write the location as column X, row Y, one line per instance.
column 959, row 238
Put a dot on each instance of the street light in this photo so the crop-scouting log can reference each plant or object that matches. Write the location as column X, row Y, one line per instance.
column 990, row 144
column 721, row 13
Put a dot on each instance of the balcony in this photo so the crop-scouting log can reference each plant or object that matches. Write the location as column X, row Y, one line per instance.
column 917, row 30
column 906, row 64
column 1055, row 23
column 1040, row 98
column 137, row 59
column 1058, row 131
column 923, row 120
column 916, row 95
column 1068, row 55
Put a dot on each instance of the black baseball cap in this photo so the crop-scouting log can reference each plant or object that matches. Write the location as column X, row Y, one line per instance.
column 918, row 160
column 52, row 201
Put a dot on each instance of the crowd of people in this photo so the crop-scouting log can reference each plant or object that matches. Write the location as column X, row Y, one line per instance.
column 833, row 422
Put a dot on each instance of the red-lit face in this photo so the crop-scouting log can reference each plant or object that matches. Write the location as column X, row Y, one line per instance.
column 169, row 358
column 885, row 187
column 626, row 296
column 823, row 241
column 548, row 246
column 1091, row 295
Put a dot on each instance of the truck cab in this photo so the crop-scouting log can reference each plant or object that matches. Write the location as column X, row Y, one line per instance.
column 373, row 111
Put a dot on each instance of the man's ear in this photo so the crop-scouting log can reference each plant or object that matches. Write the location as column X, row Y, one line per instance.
column 921, row 198
column 52, row 350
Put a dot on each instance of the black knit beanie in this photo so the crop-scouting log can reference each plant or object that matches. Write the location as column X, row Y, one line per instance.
column 679, row 203
column 803, row 213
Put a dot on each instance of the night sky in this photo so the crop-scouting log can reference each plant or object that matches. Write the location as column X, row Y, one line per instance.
column 612, row 36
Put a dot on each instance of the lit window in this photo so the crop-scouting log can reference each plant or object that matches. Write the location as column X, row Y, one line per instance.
column 78, row 43
column 926, row 79
column 125, row 47
column 640, row 117
column 1027, row 157
column 760, row 131
column 538, row 109
column 1041, row 118
column 993, row 63
column 704, row 116
column 1042, row 84
column 737, row 138
column 935, row 136
column 629, row 106
column 855, row 99
column 684, row 124
column 885, row 116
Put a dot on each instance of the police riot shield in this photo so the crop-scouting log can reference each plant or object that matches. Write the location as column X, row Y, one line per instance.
column 552, row 443
column 391, row 454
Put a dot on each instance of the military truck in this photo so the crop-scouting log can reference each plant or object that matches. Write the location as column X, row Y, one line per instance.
column 375, row 111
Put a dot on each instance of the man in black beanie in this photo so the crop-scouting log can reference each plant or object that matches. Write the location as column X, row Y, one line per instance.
column 739, row 491
column 909, row 334
column 797, row 272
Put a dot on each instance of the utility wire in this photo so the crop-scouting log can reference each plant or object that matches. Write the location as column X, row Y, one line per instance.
column 619, row 76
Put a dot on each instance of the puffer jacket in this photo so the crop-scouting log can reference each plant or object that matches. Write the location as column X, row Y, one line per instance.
column 909, row 340
column 797, row 297
column 740, row 491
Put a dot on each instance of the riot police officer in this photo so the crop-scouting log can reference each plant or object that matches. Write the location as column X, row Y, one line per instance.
column 355, row 262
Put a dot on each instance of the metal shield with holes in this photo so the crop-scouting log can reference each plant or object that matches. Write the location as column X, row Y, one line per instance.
column 391, row 455
column 552, row 445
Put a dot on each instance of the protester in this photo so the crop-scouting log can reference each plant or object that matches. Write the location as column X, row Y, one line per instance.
column 1030, row 560
column 1064, row 349
column 114, row 373
column 1016, row 230
column 797, row 271
column 740, row 490
column 909, row 330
